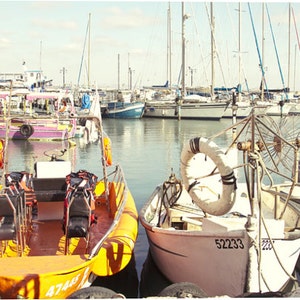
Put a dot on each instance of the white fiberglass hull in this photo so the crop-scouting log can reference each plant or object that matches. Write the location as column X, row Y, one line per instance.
column 216, row 253
column 197, row 111
column 202, row 259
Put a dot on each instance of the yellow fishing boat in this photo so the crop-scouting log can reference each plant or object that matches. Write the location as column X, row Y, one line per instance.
column 60, row 228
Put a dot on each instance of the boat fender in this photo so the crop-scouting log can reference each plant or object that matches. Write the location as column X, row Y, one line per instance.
column 107, row 151
column 222, row 204
column 2, row 143
column 183, row 290
column 26, row 130
column 95, row 292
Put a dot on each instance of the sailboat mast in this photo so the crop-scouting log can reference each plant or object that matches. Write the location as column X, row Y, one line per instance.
column 89, row 50
column 263, row 52
column 183, row 50
column 40, row 58
column 239, row 91
column 289, row 47
column 212, row 43
column 169, row 47
column 118, row 72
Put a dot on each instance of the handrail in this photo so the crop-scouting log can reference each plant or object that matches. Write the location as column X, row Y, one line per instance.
column 118, row 175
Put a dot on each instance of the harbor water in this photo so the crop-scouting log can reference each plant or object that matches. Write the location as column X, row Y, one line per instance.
column 147, row 149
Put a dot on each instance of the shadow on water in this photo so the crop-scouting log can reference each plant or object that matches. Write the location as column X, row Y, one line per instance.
column 152, row 280
column 125, row 282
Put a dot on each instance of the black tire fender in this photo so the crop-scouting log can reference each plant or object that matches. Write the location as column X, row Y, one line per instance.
column 94, row 292
column 26, row 130
column 183, row 290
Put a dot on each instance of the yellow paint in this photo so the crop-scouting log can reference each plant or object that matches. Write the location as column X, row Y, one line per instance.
column 100, row 188
column 117, row 249
column 60, row 275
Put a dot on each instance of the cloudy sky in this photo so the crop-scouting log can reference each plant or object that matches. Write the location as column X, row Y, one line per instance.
column 133, row 34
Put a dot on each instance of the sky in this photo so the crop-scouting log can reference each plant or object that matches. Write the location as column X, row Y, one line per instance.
column 132, row 35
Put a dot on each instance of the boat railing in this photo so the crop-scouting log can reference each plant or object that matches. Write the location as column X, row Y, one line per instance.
column 13, row 219
column 118, row 185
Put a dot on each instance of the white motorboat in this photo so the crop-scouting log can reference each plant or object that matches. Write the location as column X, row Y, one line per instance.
column 231, row 225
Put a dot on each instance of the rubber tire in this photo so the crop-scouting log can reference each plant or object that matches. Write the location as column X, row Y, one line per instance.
column 93, row 292
column 183, row 290
column 26, row 130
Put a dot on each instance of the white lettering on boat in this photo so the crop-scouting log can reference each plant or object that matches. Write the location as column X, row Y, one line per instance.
column 56, row 289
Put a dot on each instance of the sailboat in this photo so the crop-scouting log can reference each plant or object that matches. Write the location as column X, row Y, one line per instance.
column 230, row 226
column 182, row 107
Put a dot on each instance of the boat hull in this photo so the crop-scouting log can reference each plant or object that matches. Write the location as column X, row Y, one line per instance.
column 241, row 112
column 39, row 129
column 44, row 271
column 49, row 277
column 197, row 111
column 188, row 247
column 175, row 256
column 121, row 110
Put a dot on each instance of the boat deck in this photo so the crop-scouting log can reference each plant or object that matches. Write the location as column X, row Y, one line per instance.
column 46, row 236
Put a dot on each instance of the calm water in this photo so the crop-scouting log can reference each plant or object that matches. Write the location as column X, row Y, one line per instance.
column 147, row 150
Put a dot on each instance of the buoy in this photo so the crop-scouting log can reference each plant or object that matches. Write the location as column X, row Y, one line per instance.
column 107, row 150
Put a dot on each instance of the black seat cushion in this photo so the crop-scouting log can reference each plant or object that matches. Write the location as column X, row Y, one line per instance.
column 7, row 228
column 78, row 227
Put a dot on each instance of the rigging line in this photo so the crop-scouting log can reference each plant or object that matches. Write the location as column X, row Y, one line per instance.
column 201, row 48
column 257, row 48
column 82, row 57
column 154, row 35
column 278, row 61
column 239, row 53
column 296, row 28
column 214, row 41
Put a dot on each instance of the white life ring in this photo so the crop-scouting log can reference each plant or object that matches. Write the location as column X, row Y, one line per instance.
column 224, row 203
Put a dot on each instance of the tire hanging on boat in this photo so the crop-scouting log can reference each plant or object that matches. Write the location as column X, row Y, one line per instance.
column 94, row 292
column 226, row 200
column 183, row 290
column 26, row 130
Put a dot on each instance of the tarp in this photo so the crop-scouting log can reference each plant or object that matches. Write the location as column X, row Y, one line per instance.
column 85, row 101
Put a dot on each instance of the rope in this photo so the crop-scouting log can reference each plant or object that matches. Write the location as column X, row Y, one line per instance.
column 257, row 48
column 278, row 62
column 258, row 158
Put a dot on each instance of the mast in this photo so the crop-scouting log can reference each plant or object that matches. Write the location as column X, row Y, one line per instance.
column 87, row 36
column 89, row 50
column 239, row 90
column 184, row 17
column 118, row 72
column 263, row 52
column 289, row 47
column 212, row 44
column 169, row 47
column 41, row 56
